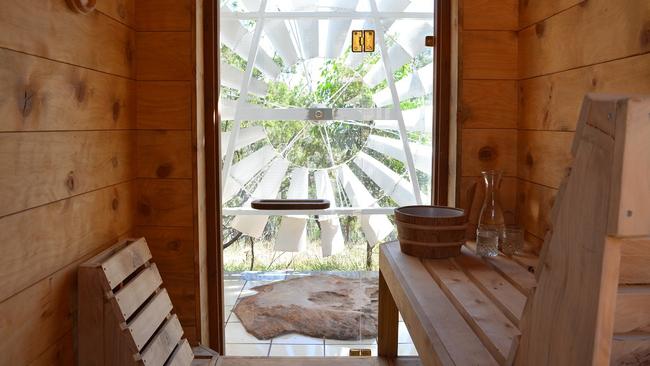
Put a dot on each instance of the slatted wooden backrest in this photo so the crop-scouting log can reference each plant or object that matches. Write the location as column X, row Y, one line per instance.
column 125, row 315
column 602, row 207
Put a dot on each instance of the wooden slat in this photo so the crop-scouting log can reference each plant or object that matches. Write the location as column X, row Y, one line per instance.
column 126, row 261
column 145, row 323
column 164, row 154
column 40, row 94
column 164, row 15
column 544, row 156
column 489, row 149
column 164, row 56
column 163, row 343
column 55, row 32
column 503, row 294
column 632, row 309
column 585, row 42
column 164, row 202
column 164, row 105
column 121, row 10
column 66, row 231
column 552, row 102
column 437, row 329
column 173, row 251
column 534, row 11
column 135, row 292
column 490, row 324
column 513, row 272
column 57, row 169
column 488, row 104
column 635, row 256
column 182, row 356
column 489, row 55
column 490, row 15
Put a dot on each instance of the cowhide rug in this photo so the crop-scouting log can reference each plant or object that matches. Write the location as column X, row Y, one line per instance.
column 319, row 306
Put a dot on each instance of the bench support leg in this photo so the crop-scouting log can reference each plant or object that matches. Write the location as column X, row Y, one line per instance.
column 388, row 321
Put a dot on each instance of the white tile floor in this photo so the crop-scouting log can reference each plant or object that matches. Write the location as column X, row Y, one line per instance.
column 240, row 343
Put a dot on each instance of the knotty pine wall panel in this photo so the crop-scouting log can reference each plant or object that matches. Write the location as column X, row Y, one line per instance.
column 568, row 48
column 487, row 112
column 167, row 149
column 67, row 159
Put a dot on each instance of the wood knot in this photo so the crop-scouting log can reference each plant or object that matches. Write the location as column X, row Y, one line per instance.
column 174, row 245
column 115, row 162
column 115, row 204
column 70, row 181
column 144, row 209
column 164, row 170
column 121, row 10
column 539, row 29
column 594, row 82
column 27, row 102
column 645, row 34
column 128, row 51
column 487, row 153
column 116, row 110
column 80, row 91
column 529, row 159
column 465, row 113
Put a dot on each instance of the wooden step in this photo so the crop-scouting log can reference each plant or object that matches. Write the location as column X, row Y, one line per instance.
column 317, row 361
column 635, row 261
column 632, row 310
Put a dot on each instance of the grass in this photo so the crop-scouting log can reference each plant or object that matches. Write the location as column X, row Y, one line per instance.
column 237, row 258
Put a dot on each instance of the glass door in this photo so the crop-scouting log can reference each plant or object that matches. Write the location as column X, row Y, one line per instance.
column 309, row 110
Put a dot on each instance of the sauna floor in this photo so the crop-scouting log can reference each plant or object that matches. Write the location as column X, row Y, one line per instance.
column 240, row 343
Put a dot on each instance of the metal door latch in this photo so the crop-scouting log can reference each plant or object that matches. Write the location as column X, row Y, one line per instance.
column 430, row 41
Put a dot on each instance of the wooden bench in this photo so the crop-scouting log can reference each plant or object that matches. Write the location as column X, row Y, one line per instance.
column 588, row 302
column 125, row 314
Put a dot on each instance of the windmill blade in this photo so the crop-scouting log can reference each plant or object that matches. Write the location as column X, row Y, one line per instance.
column 375, row 227
column 240, row 40
column 277, row 32
column 242, row 172
column 246, row 137
column 390, row 182
column 232, row 78
column 253, row 225
column 331, row 236
column 416, row 120
column 413, row 85
column 393, row 148
column 338, row 30
column 227, row 109
column 292, row 234
column 397, row 56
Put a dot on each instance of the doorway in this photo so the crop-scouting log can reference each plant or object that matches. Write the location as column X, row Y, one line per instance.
column 304, row 115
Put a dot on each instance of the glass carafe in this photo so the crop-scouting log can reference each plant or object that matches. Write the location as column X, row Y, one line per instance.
column 490, row 222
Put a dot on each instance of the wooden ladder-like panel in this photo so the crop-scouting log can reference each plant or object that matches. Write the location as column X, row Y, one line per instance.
column 125, row 315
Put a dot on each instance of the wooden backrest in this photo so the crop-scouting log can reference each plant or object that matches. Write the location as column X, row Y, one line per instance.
column 125, row 315
column 605, row 197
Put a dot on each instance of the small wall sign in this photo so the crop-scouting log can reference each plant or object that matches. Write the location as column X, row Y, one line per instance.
column 363, row 41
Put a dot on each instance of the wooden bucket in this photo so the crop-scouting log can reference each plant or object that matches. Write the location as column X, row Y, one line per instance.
column 431, row 231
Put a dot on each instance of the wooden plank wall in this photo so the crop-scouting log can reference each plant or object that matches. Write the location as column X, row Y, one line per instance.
column 67, row 167
column 568, row 48
column 168, row 174
column 487, row 111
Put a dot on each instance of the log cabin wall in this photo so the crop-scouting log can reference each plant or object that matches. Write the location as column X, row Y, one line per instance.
column 169, row 164
column 568, row 48
column 487, row 111
column 66, row 163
